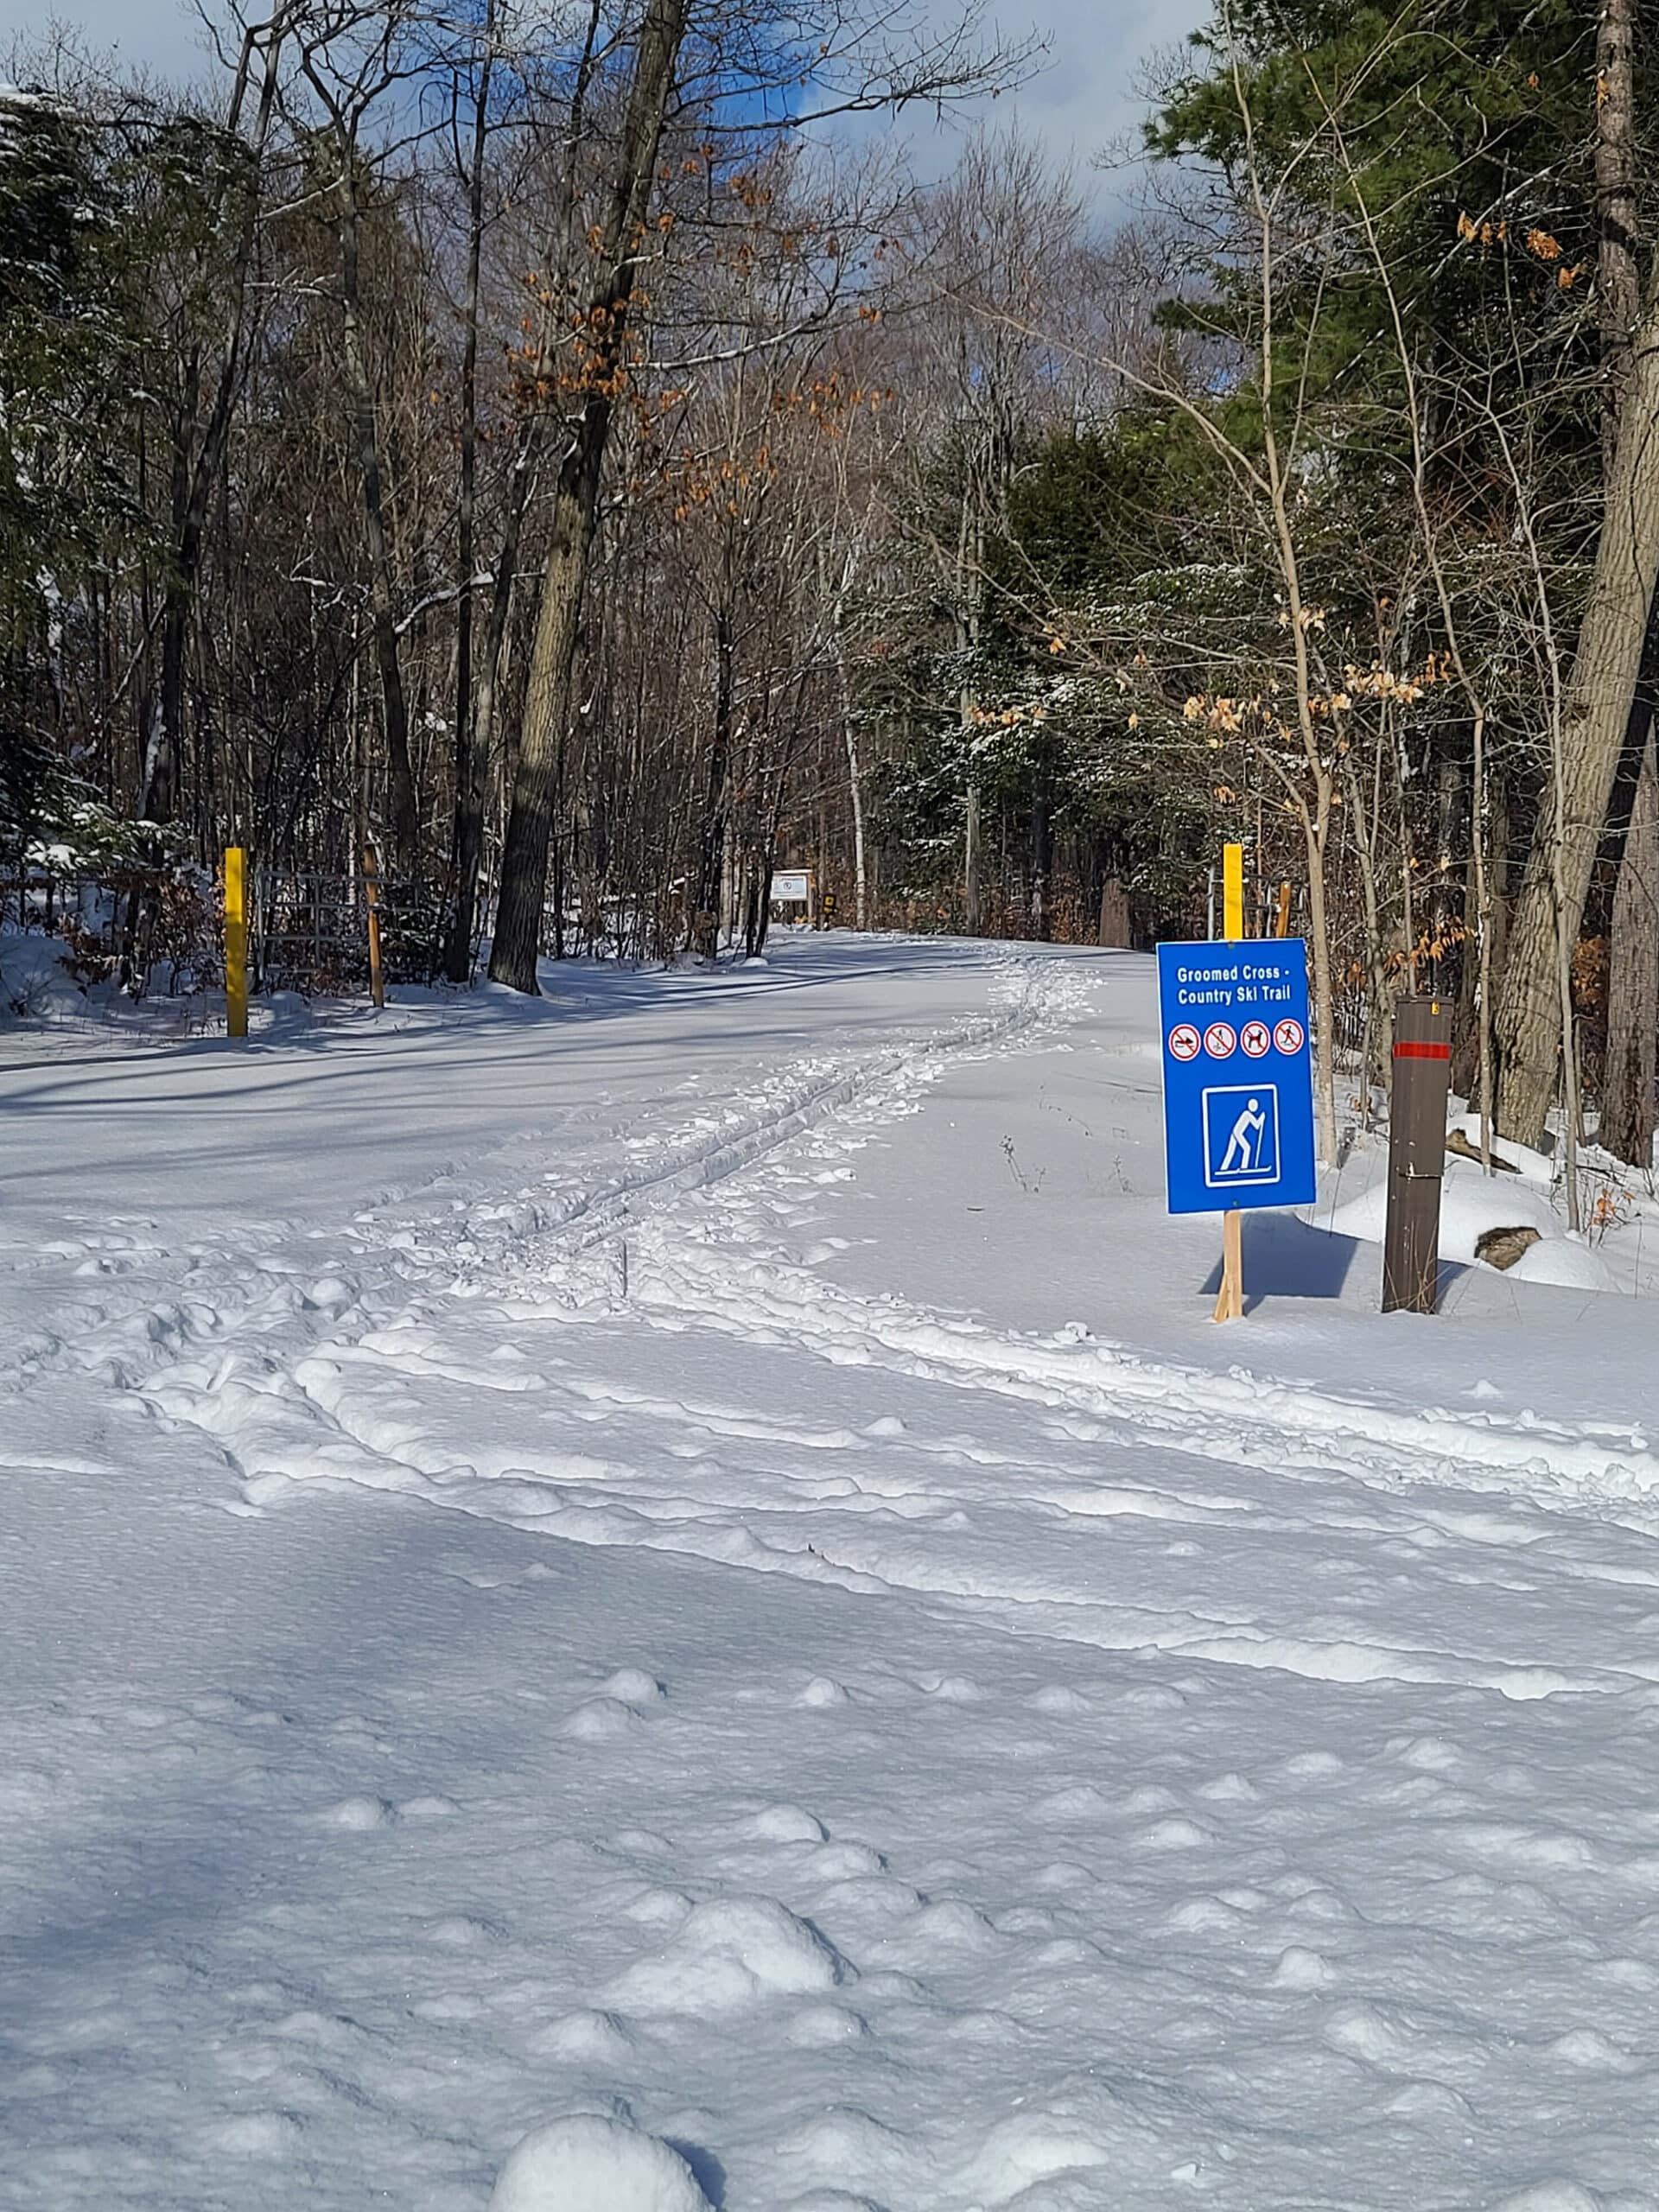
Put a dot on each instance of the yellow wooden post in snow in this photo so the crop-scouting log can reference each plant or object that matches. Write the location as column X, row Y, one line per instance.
column 236, row 941
column 1229, row 1300
column 371, row 891
column 1232, row 891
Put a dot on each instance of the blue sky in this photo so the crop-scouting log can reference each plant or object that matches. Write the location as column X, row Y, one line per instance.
column 1087, row 95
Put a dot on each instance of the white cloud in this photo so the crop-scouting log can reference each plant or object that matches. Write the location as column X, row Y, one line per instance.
column 1087, row 96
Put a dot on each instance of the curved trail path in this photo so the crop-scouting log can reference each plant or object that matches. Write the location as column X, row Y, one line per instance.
column 690, row 1553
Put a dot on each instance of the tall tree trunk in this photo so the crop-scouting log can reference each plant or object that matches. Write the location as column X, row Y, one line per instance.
column 711, row 897
column 970, row 596
column 1573, row 807
column 854, row 783
column 1627, row 1110
column 1618, row 289
column 1042, row 862
column 1115, row 928
column 575, row 508
column 1627, row 1098
column 405, row 818
column 973, row 898
column 198, row 460
column 470, row 758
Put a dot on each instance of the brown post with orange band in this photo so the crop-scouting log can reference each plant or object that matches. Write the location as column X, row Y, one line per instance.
column 1422, row 1078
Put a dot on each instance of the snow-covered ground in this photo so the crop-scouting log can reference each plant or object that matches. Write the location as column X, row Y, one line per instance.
column 687, row 1559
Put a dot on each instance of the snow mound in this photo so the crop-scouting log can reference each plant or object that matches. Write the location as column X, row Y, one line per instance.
column 599, row 1720
column 35, row 983
column 1471, row 1205
column 1057, row 1698
column 633, row 1686
column 845, row 1862
column 785, row 1824
column 1531, row 1167
column 729, row 1952
column 822, row 1691
column 358, row 1814
column 1033, row 2147
column 598, row 2037
column 1299, row 1969
column 1564, row 1260
column 587, row 2164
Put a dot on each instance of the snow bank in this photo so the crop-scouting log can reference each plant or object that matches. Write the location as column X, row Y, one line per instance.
column 1530, row 1167
column 588, row 2163
column 1471, row 1203
column 35, row 985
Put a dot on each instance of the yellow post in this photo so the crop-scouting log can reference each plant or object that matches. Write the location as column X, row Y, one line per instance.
column 1232, row 891
column 1230, row 1300
column 236, row 942
column 371, row 891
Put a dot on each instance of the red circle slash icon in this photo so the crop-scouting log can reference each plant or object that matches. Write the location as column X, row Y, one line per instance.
column 1183, row 1042
column 1288, row 1036
column 1219, row 1040
column 1255, row 1038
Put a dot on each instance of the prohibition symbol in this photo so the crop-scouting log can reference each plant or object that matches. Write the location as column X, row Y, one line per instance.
column 1255, row 1038
column 1183, row 1042
column 1288, row 1036
column 1219, row 1040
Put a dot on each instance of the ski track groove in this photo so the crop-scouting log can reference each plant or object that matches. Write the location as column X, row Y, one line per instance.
column 216, row 1300
column 690, row 1259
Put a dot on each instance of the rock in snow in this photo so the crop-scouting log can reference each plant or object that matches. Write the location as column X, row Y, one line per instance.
column 590, row 2164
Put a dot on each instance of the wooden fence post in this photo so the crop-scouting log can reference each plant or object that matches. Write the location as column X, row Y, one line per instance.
column 236, row 941
column 372, row 894
column 1229, row 1300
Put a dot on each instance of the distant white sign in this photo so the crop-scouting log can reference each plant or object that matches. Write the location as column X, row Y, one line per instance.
column 792, row 886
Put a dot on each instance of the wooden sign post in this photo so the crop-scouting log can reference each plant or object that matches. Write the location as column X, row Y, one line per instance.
column 1230, row 1299
column 1422, row 1077
column 1238, row 1085
column 236, row 941
column 372, row 894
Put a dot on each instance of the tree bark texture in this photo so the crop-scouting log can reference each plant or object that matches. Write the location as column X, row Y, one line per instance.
column 1599, row 692
column 195, row 471
column 471, row 759
column 1627, row 1101
column 405, row 818
column 1618, row 287
column 575, row 508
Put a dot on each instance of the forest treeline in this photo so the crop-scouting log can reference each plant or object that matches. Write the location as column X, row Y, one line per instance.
column 572, row 453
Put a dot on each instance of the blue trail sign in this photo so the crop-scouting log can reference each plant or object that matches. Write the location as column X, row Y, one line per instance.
column 1238, row 1074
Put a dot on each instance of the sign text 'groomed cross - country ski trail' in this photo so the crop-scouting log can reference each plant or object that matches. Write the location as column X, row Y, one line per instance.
column 1238, row 1086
